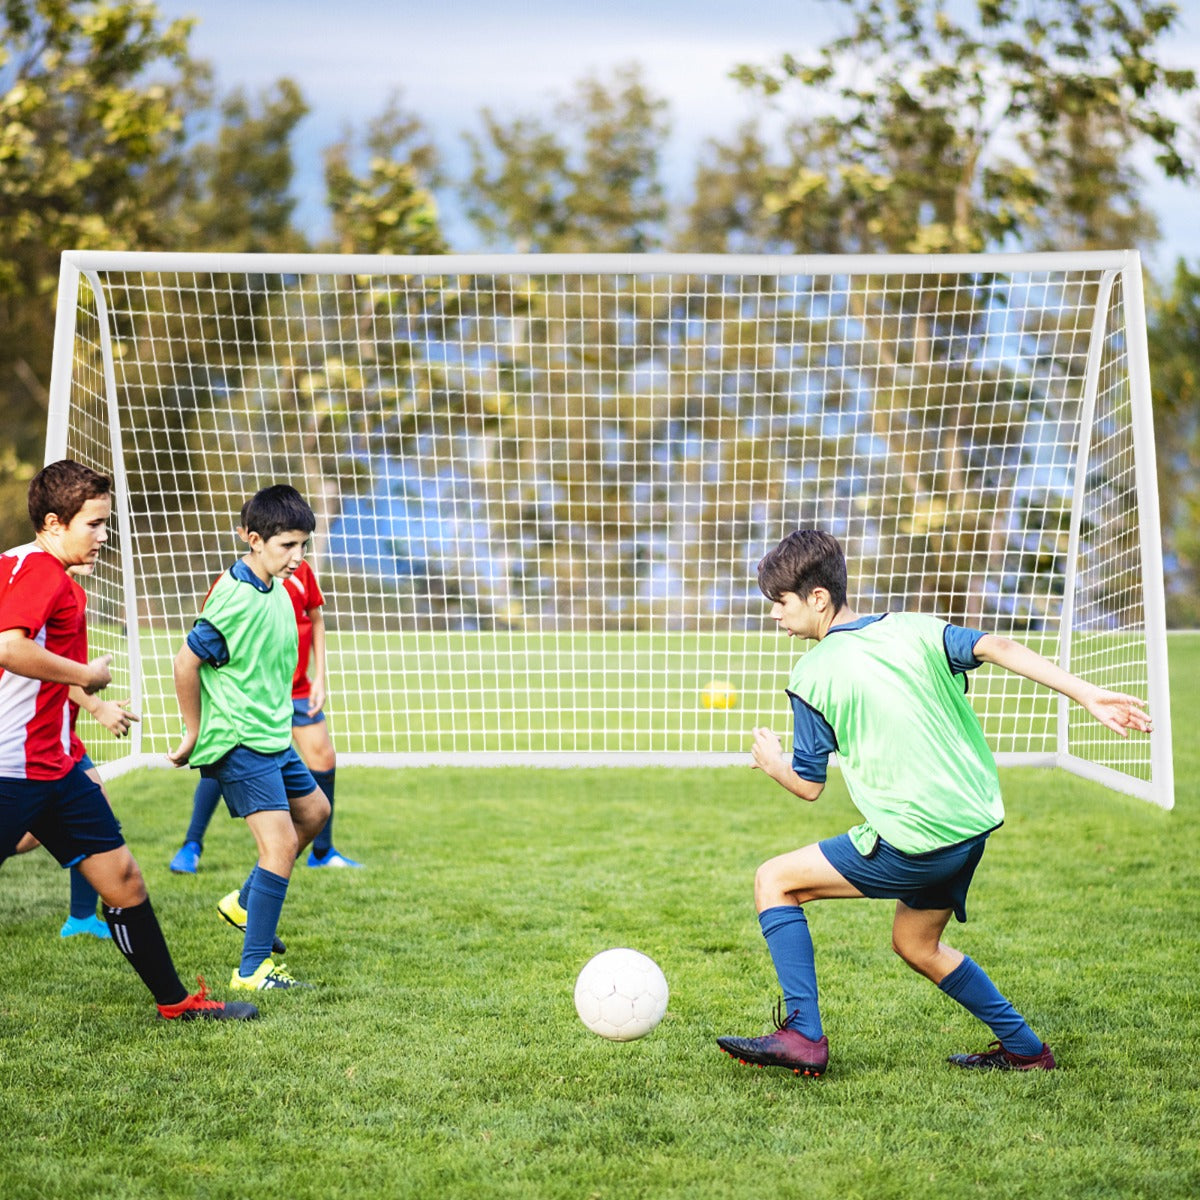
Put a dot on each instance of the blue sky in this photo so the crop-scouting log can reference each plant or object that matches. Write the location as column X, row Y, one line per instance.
column 451, row 60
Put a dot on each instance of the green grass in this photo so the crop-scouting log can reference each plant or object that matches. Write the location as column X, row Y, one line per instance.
column 441, row 1055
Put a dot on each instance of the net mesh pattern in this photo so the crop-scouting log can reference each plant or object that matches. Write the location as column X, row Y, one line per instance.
column 541, row 499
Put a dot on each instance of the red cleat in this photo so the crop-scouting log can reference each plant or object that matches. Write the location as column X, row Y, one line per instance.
column 198, row 1007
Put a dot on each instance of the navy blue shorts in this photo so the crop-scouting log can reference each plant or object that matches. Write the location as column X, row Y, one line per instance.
column 253, row 782
column 300, row 713
column 936, row 880
column 69, row 816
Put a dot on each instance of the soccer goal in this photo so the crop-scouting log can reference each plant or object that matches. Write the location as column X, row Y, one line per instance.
column 543, row 483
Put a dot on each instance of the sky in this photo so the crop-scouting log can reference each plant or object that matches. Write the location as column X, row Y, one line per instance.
column 449, row 61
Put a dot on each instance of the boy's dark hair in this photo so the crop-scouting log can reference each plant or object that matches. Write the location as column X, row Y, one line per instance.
column 805, row 560
column 277, row 509
column 63, row 488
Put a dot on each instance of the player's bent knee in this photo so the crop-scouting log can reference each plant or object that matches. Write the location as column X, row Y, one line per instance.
column 117, row 877
column 321, row 759
column 314, row 814
column 920, row 957
column 770, row 885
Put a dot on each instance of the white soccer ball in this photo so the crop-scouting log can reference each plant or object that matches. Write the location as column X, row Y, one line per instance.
column 621, row 994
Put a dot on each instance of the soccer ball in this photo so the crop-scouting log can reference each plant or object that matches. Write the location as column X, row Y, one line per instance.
column 718, row 693
column 621, row 995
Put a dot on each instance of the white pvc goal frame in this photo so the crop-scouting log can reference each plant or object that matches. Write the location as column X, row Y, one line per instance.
column 543, row 482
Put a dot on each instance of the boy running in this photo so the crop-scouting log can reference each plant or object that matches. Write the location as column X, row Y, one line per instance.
column 42, row 789
column 310, row 731
column 888, row 694
column 233, row 678
column 116, row 717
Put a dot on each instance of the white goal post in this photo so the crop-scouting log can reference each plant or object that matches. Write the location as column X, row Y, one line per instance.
column 543, row 483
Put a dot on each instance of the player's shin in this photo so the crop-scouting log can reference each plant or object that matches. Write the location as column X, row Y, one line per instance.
column 139, row 937
column 785, row 928
column 263, row 907
column 969, row 984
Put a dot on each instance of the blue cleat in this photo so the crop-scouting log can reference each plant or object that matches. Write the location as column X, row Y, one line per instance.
column 187, row 859
column 92, row 926
column 330, row 859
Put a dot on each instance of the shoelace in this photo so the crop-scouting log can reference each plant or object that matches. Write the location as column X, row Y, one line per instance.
column 200, row 999
column 783, row 1019
column 197, row 1000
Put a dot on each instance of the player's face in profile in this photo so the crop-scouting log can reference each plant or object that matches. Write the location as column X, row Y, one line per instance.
column 793, row 615
column 80, row 541
column 282, row 553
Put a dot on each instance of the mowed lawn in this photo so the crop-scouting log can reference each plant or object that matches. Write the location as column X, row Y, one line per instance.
column 440, row 1055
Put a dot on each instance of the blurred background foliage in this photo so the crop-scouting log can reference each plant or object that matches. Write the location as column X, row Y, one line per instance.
column 1007, row 126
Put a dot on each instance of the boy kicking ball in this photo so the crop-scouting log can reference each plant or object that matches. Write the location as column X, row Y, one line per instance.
column 888, row 694
column 43, row 791
column 233, row 680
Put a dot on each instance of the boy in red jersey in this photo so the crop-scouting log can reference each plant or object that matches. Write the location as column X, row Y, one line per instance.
column 310, row 732
column 42, row 789
column 116, row 717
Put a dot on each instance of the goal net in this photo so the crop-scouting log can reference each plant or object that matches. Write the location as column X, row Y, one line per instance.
column 543, row 483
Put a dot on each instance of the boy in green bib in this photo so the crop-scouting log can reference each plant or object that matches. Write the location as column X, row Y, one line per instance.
column 233, row 679
column 888, row 695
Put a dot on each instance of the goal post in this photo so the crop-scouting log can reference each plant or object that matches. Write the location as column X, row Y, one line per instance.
column 543, row 483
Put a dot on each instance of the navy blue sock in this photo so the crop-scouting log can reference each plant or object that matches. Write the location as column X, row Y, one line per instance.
column 83, row 896
column 204, row 804
column 969, row 984
column 786, row 929
column 262, row 918
column 323, row 842
column 244, row 890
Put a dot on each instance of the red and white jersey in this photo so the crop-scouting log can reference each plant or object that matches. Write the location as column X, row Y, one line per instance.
column 38, row 596
column 306, row 595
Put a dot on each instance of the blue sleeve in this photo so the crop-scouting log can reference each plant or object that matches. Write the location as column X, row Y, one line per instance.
column 207, row 644
column 959, row 643
column 812, row 741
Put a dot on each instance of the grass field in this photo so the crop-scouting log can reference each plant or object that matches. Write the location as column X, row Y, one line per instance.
column 441, row 1055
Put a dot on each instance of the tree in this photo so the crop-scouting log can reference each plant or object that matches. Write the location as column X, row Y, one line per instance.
column 239, row 183
column 1174, row 335
column 936, row 127
column 1012, row 125
column 390, row 209
column 93, row 98
column 726, row 213
column 598, row 190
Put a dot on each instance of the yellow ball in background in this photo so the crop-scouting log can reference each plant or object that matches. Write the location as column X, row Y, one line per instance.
column 718, row 693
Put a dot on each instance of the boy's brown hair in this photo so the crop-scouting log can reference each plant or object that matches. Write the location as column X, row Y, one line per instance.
column 63, row 488
column 806, row 559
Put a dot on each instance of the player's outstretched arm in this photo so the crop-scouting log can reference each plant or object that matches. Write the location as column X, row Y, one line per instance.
column 1116, row 710
column 187, row 692
column 767, row 753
